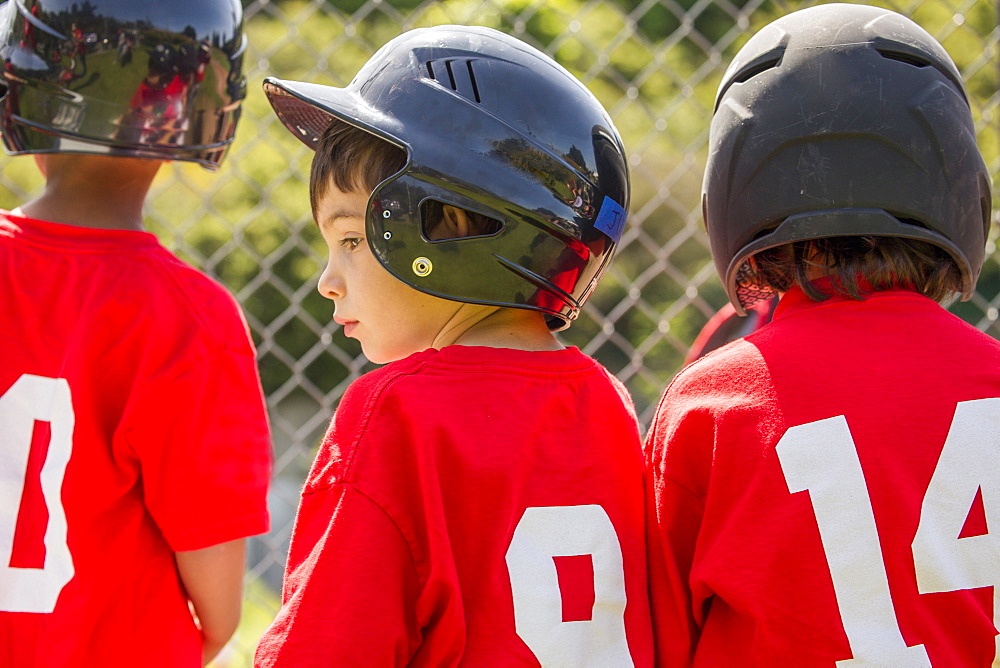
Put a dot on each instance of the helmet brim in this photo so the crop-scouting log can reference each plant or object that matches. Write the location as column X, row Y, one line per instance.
column 307, row 109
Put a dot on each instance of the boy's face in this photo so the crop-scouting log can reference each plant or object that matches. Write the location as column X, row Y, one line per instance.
column 390, row 319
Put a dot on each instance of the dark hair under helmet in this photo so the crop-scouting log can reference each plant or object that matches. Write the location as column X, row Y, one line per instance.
column 493, row 126
column 842, row 120
column 144, row 78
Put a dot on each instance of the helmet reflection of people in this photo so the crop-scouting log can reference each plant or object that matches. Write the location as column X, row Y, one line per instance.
column 164, row 93
column 156, row 111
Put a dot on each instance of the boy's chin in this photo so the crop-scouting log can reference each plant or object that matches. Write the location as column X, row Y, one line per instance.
column 377, row 355
column 384, row 355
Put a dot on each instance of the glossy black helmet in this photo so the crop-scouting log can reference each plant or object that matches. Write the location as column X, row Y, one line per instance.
column 493, row 126
column 137, row 78
column 842, row 120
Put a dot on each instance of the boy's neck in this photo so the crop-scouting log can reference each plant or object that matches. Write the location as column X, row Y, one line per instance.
column 104, row 192
column 498, row 327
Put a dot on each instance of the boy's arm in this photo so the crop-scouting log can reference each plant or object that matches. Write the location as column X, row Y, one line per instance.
column 213, row 578
column 352, row 595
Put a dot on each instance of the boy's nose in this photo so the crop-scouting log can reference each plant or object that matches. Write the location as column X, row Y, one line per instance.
column 330, row 285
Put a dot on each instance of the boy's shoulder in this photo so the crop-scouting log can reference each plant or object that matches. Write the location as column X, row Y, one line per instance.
column 167, row 285
column 415, row 385
column 471, row 361
column 446, row 398
column 191, row 299
column 128, row 267
column 363, row 393
column 192, row 284
column 732, row 369
column 819, row 344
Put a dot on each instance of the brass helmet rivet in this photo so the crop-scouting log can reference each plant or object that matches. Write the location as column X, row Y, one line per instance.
column 422, row 266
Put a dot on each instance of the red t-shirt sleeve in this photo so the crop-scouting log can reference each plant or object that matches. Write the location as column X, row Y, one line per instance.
column 202, row 441
column 351, row 593
column 359, row 586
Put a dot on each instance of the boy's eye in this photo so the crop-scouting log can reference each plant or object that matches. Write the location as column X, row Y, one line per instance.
column 351, row 242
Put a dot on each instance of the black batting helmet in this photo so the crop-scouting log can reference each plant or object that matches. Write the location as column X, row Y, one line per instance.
column 842, row 120
column 122, row 77
column 493, row 126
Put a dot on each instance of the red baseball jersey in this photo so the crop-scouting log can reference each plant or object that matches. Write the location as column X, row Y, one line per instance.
column 471, row 506
column 821, row 492
column 131, row 426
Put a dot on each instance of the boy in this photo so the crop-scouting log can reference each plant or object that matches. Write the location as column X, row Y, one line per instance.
column 477, row 501
column 822, row 486
column 134, row 448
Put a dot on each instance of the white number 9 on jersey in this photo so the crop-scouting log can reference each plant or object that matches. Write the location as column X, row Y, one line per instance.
column 543, row 535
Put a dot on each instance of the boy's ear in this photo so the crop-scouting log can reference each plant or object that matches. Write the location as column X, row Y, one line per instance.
column 455, row 224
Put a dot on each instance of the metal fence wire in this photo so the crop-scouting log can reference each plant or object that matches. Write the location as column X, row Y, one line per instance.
column 654, row 64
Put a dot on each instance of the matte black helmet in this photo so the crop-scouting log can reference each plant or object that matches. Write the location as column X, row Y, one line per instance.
column 842, row 120
column 493, row 126
column 159, row 79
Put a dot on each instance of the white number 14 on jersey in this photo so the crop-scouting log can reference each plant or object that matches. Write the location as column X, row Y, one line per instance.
column 821, row 457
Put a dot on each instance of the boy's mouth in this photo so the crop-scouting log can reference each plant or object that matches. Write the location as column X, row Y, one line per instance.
column 348, row 325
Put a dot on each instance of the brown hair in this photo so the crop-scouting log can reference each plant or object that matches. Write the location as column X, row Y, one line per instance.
column 353, row 159
column 858, row 265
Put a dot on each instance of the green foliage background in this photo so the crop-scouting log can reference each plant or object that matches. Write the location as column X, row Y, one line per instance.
column 655, row 64
column 654, row 67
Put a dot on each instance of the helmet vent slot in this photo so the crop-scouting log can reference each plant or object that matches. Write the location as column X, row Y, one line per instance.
column 758, row 65
column 456, row 74
column 755, row 69
column 451, row 74
column 472, row 80
column 908, row 58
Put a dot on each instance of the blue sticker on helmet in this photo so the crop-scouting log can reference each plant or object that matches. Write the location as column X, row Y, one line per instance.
column 611, row 219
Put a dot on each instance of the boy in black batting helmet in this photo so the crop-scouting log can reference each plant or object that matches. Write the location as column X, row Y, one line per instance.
column 134, row 446
column 478, row 500
column 822, row 486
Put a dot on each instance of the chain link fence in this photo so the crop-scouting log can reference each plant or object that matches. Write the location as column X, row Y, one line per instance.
column 654, row 64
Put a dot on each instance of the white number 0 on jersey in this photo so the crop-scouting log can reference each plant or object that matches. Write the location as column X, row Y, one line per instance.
column 553, row 531
column 821, row 457
column 29, row 399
